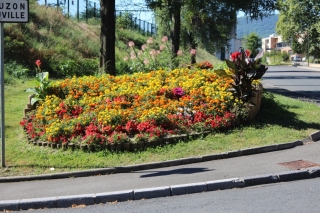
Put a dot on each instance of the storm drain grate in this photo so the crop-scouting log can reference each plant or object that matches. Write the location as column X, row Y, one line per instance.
column 299, row 164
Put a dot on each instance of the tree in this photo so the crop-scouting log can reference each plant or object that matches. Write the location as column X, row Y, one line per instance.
column 252, row 42
column 204, row 16
column 298, row 21
column 107, row 36
column 173, row 8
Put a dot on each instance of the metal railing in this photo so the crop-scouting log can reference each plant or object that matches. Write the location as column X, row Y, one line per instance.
column 125, row 19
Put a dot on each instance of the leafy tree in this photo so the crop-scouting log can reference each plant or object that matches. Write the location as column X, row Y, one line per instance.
column 298, row 21
column 252, row 42
column 107, row 36
column 202, row 17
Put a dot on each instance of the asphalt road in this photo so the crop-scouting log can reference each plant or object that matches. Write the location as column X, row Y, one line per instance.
column 300, row 82
column 288, row 197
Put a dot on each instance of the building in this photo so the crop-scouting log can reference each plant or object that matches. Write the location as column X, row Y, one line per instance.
column 234, row 45
column 275, row 42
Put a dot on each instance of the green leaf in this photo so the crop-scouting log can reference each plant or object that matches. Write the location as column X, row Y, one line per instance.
column 31, row 90
column 43, row 76
column 222, row 73
column 231, row 65
column 35, row 100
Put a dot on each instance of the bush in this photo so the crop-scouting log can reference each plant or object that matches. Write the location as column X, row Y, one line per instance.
column 16, row 70
column 285, row 56
column 69, row 68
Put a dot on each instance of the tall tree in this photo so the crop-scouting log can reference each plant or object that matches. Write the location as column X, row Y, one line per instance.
column 107, row 36
column 298, row 22
column 252, row 42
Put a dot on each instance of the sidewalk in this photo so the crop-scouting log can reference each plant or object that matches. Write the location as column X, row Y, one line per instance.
column 186, row 177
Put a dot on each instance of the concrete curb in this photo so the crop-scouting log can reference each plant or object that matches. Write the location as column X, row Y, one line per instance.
column 126, row 169
column 148, row 193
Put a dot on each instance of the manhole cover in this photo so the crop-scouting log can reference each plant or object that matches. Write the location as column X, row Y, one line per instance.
column 299, row 164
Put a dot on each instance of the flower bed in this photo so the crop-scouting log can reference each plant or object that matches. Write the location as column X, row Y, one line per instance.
column 107, row 110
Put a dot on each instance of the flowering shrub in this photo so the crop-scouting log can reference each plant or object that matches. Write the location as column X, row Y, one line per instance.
column 41, row 90
column 204, row 65
column 153, row 57
column 111, row 109
column 244, row 71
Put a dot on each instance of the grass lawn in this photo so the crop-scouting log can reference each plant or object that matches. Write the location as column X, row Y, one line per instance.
column 280, row 120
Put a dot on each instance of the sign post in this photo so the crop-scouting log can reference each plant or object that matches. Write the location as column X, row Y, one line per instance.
column 11, row 11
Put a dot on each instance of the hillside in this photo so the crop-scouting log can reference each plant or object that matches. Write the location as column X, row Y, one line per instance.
column 65, row 46
column 263, row 28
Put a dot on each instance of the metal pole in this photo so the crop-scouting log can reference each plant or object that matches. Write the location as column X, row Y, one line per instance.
column 68, row 8
column 308, row 49
column 78, row 10
column 87, row 11
column 2, row 95
column 94, row 9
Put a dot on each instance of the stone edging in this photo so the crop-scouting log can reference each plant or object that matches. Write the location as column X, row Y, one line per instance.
column 156, row 192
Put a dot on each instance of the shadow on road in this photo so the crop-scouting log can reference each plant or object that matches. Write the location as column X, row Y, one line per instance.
column 182, row 171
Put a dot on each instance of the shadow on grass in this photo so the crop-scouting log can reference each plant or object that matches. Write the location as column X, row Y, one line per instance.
column 274, row 113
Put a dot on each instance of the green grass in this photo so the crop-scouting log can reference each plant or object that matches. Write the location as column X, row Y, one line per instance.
column 280, row 120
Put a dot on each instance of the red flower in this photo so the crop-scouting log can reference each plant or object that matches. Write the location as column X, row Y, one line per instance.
column 235, row 56
column 38, row 63
column 248, row 53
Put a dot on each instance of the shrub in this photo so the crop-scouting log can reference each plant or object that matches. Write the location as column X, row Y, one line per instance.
column 153, row 57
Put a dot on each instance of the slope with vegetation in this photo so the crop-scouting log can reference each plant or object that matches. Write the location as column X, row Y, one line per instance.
column 65, row 46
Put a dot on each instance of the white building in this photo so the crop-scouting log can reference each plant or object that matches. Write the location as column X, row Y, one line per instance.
column 234, row 45
column 274, row 42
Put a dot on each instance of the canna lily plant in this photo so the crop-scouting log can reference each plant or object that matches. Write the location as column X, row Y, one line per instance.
column 244, row 70
column 43, row 83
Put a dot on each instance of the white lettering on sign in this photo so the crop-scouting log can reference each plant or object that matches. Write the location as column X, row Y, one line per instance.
column 14, row 11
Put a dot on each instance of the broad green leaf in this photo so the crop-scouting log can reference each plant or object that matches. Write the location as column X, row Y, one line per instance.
column 231, row 65
column 43, row 76
column 35, row 100
column 31, row 90
column 221, row 72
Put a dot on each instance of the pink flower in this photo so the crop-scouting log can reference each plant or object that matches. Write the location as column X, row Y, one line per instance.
column 126, row 58
column 133, row 55
column 146, row 61
column 179, row 52
column 153, row 52
column 193, row 51
column 150, row 40
column 162, row 47
column 131, row 44
column 164, row 39
column 143, row 47
column 178, row 91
